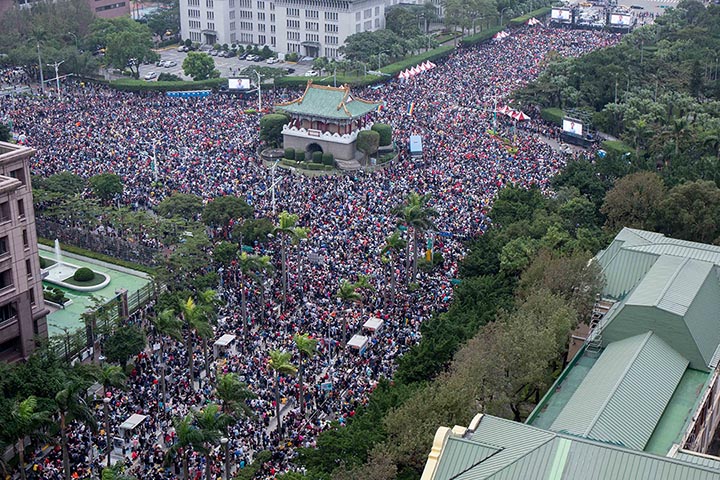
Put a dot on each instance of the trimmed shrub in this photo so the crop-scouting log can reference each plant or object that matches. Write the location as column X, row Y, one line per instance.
column 300, row 155
column 540, row 12
column 83, row 274
column 54, row 295
column 385, row 132
column 289, row 153
column 328, row 159
column 317, row 157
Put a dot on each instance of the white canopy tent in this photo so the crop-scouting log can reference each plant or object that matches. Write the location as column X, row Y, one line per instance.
column 373, row 324
column 358, row 342
column 223, row 344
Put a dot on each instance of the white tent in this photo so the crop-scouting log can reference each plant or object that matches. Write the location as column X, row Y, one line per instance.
column 358, row 342
column 224, row 343
column 126, row 428
column 373, row 324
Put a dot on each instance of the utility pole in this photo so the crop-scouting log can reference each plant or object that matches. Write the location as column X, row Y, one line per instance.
column 259, row 96
column 155, row 165
column 57, row 75
column 42, row 80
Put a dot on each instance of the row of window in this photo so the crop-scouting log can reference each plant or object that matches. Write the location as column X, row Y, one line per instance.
column 293, row 36
column 195, row 24
column 110, row 7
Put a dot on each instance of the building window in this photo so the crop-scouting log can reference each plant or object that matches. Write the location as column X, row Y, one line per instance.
column 261, row 5
column 28, row 267
column 246, row 4
column 32, row 302
column 210, row 15
column 293, row 12
column 5, row 212
column 194, row 13
column 231, row 15
column 272, row 17
column 293, row 36
column 261, row 28
column 331, row 28
column 26, row 244
column 272, row 28
column 331, row 52
column 377, row 11
column 246, row 38
column 331, row 16
column 6, row 279
column 261, row 16
column 232, row 25
column 312, row 14
column 312, row 37
column 110, row 7
column 245, row 14
column 211, row 26
column 377, row 23
column 312, row 26
column 295, row 24
column 368, row 25
column 272, row 39
column 358, row 16
column 231, row 3
column 357, row 28
column 246, row 26
column 8, row 312
column 19, row 174
column 367, row 13
column 4, row 246
column 261, row 39
column 331, row 40
column 209, row 4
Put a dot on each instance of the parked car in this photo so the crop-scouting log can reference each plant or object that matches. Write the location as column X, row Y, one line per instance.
column 243, row 56
column 272, row 60
column 170, row 64
column 312, row 73
column 182, row 48
column 150, row 76
column 251, row 57
column 160, row 63
column 258, row 58
column 290, row 70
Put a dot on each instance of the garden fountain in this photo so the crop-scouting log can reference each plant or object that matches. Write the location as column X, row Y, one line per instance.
column 60, row 273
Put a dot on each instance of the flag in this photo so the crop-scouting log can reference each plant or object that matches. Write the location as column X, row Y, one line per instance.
column 411, row 107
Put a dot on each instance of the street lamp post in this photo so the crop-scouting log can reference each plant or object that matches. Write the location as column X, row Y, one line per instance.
column 226, row 447
column 57, row 75
column 379, row 55
column 502, row 12
column 42, row 80
column 273, row 185
column 259, row 95
column 106, row 406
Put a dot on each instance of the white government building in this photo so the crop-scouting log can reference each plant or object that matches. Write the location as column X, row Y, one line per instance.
column 313, row 28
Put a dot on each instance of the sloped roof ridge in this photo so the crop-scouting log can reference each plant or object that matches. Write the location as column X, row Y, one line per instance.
column 670, row 281
column 640, row 453
column 621, row 378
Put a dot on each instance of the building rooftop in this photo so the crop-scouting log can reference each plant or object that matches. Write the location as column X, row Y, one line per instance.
column 328, row 102
column 495, row 448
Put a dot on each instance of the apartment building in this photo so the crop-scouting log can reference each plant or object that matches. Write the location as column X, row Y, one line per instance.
column 314, row 28
column 101, row 8
column 22, row 310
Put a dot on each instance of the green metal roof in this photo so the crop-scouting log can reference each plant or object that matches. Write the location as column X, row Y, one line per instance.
column 698, row 459
column 459, row 454
column 624, row 395
column 328, row 102
column 541, row 455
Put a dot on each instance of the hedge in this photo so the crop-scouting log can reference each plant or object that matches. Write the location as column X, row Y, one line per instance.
column 385, row 132
column 409, row 62
column 98, row 256
column 317, row 157
column 552, row 115
column 616, row 147
column 540, row 12
column 328, row 159
column 83, row 274
column 300, row 155
column 481, row 37
column 132, row 85
column 305, row 166
column 289, row 153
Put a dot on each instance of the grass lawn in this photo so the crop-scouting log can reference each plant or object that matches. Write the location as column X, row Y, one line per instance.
column 96, row 280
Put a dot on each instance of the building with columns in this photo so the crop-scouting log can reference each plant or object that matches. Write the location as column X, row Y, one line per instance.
column 327, row 120
column 314, row 28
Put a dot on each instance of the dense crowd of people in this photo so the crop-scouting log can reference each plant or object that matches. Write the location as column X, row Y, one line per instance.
column 207, row 147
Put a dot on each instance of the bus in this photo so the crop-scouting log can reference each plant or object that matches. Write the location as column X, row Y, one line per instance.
column 416, row 147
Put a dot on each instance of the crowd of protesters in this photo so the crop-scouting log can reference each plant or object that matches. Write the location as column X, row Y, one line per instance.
column 207, row 147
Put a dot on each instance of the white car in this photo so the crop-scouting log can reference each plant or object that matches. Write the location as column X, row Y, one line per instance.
column 272, row 60
column 312, row 73
column 150, row 75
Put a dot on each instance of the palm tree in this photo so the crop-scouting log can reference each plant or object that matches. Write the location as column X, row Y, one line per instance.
column 250, row 266
column 416, row 214
column 307, row 346
column 287, row 228
column 233, row 393
column 347, row 293
column 195, row 322
column 394, row 244
column 188, row 436
column 111, row 376
column 72, row 406
column 279, row 363
column 208, row 303
column 24, row 422
column 212, row 423
column 167, row 324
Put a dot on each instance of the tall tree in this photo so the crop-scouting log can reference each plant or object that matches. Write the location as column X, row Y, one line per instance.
column 307, row 346
column 233, row 394
column 195, row 322
column 287, row 229
column 71, row 405
column 213, row 423
column 25, row 421
column 188, row 437
column 634, row 201
column 279, row 363
column 167, row 324
column 394, row 245
column 199, row 66
column 347, row 294
column 416, row 214
column 250, row 266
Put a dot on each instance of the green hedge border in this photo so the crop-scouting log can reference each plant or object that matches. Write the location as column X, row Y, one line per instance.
column 307, row 165
column 98, row 256
column 132, row 85
column 552, row 115
column 481, row 37
column 540, row 12
column 295, row 81
column 616, row 147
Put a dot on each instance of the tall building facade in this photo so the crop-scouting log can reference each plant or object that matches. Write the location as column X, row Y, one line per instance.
column 22, row 310
column 101, row 8
column 314, row 28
